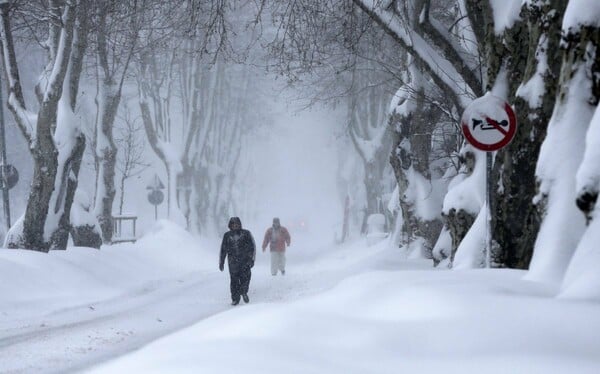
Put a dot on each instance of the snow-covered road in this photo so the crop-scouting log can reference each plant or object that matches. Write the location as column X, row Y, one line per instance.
column 87, row 334
column 79, row 336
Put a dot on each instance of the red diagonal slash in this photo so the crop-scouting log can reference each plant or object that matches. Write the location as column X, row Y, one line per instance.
column 496, row 126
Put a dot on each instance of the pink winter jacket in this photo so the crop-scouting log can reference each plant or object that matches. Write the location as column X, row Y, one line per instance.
column 278, row 239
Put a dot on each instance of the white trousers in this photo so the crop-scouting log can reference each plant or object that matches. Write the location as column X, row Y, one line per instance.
column 277, row 262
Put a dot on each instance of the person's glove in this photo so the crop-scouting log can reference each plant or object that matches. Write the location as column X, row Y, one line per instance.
column 221, row 267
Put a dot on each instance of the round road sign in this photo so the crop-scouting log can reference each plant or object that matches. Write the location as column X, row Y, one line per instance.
column 156, row 197
column 489, row 123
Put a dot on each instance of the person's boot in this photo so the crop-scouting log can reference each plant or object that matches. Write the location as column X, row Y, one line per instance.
column 246, row 298
column 235, row 302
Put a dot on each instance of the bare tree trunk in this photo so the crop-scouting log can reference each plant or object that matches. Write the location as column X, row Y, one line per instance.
column 110, row 93
column 107, row 152
column 369, row 133
column 122, row 195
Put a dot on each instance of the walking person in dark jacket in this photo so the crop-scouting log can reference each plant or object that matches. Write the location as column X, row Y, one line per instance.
column 239, row 248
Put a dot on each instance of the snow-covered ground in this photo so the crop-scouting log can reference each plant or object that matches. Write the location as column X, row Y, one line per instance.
column 162, row 306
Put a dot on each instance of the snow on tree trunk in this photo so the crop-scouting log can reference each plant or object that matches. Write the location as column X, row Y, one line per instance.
column 45, row 223
column 69, row 138
column 582, row 279
column 32, row 233
column 442, row 251
column 71, row 143
column 420, row 196
column 562, row 152
column 464, row 201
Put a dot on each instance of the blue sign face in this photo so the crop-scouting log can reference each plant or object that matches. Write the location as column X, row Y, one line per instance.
column 156, row 197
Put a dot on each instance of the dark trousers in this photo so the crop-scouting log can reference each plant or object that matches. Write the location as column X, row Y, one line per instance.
column 240, row 281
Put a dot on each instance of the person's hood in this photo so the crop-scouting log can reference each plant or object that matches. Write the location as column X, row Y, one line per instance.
column 234, row 220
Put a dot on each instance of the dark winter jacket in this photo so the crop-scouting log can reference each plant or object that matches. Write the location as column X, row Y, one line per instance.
column 239, row 248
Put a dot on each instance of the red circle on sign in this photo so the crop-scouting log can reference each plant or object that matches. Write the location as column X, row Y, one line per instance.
column 491, row 124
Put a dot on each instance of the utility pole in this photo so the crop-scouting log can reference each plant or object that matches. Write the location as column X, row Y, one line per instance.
column 3, row 165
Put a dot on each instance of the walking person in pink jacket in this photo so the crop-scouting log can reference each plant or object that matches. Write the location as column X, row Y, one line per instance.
column 278, row 238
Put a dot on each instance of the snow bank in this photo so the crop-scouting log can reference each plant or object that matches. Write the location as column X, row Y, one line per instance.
column 35, row 282
column 389, row 322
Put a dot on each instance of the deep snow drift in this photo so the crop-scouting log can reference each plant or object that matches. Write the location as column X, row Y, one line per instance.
column 339, row 309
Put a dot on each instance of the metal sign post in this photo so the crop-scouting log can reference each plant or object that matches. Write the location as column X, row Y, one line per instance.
column 156, row 196
column 488, row 207
column 489, row 124
column 3, row 165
